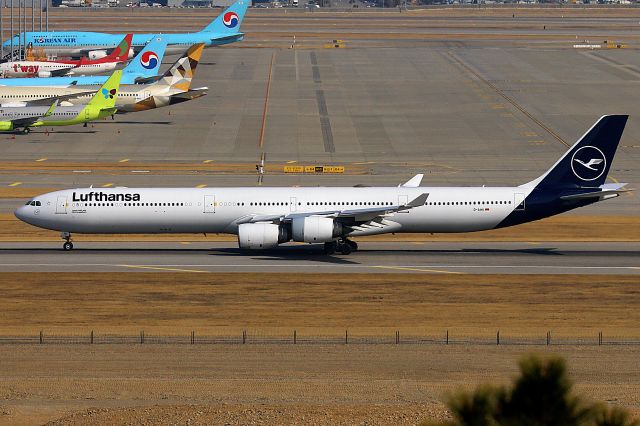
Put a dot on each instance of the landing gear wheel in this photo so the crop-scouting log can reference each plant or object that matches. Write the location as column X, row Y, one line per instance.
column 26, row 131
column 68, row 246
column 345, row 248
column 352, row 244
column 330, row 247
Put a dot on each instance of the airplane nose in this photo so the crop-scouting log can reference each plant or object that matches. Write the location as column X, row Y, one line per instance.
column 21, row 213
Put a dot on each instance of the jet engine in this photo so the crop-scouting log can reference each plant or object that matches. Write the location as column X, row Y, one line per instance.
column 261, row 235
column 315, row 229
column 13, row 104
column 97, row 54
column 6, row 126
column 44, row 73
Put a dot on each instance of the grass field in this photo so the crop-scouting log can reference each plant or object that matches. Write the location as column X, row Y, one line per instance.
column 316, row 304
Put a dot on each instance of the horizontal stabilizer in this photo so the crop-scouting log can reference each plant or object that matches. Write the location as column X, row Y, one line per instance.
column 606, row 191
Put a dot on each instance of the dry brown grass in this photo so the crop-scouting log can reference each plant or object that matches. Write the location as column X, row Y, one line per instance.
column 558, row 228
column 318, row 304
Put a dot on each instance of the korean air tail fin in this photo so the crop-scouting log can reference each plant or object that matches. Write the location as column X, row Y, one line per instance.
column 586, row 164
column 105, row 97
column 147, row 62
column 180, row 74
column 229, row 21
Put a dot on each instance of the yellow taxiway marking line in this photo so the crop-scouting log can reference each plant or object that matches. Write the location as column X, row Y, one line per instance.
column 40, row 160
column 403, row 268
column 207, row 161
column 157, row 268
column 124, row 160
column 292, row 161
column 107, row 185
column 202, row 185
column 185, row 242
column 15, row 184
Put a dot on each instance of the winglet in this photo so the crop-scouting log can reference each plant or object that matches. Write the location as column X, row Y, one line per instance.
column 51, row 108
column 414, row 182
column 418, row 201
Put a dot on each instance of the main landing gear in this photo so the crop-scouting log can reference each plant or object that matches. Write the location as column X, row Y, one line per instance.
column 342, row 246
column 68, row 245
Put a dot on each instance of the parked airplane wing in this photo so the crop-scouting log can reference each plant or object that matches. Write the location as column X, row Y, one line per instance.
column 25, row 122
column 60, row 98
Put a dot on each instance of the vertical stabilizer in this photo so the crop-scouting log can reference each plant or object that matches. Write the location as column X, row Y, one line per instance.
column 230, row 20
column 105, row 97
column 586, row 164
column 147, row 62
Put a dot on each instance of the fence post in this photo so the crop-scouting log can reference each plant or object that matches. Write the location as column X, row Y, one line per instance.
column 244, row 336
column 397, row 337
column 346, row 337
column 141, row 337
column 498, row 338
column 548, row 338
column 92, row 337
column 447, row 337
column 600, row 338
column 294, row 337
column 193, row 337
column 41, row 337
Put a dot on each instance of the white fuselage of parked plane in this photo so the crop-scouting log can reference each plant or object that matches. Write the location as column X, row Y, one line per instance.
column 45, row 69
column 220, row 210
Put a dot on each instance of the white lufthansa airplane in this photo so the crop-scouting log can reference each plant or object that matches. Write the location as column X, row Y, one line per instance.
column 265, row 217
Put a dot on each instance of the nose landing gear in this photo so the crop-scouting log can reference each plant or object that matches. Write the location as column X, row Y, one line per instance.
column 342, row 246
column 68, row 245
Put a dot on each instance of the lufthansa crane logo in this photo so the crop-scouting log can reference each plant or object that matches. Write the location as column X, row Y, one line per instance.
column 588, row 163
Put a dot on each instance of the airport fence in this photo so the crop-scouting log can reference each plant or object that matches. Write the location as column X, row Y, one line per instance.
column 295, row 338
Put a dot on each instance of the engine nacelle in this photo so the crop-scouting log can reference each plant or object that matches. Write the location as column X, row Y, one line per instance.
column 259, row 236
column 315, row 229
column 44, row 73
column 6, row 126
column 97, row 54
column 13, row 104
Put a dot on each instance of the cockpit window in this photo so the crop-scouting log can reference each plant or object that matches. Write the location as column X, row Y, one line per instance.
column 28, row 203
column 33, row 203
column 38, row 204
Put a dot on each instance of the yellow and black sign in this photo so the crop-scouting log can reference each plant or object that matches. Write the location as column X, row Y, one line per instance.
column 314, row 169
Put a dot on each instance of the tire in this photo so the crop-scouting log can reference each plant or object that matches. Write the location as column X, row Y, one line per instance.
column 353, row 245
column 345, row 249
column 67, row 246
column 330, row 247
column 26, row 131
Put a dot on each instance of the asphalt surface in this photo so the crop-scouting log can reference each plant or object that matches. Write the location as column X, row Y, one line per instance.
column 433, row 258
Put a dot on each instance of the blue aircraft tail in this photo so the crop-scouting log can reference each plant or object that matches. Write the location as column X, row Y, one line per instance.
column 229, row 21
column 587, row 162
column 147, row 62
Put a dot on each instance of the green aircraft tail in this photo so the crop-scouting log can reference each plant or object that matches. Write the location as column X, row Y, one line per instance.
column 105, row 97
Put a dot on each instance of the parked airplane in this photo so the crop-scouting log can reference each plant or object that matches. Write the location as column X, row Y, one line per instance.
column 222, row 30
column 146, row 64
column 83, row 66
column 102, row 104
column 171, row 88
column 265, row 217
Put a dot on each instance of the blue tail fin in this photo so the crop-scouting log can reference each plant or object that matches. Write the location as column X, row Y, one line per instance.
column 587, row 162
column 147, row 62
column 229, row 21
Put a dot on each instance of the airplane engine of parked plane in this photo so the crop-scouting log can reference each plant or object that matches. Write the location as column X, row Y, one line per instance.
column 13, row 104
column 44, row 73
column 315, row 229
column 97, row 54
column 261, row 235
column 6, row 126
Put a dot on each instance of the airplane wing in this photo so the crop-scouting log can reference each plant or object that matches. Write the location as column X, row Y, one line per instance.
column 62, row 72
column 60, row 98
column 25, row 122
column 351, row 216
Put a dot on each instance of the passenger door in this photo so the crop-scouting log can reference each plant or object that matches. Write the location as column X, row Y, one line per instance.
column 209, row 203
column 61, row 205
column 518, row 201
column 293, row 203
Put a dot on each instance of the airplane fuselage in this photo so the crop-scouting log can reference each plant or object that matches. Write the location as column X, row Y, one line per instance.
column 220, row 210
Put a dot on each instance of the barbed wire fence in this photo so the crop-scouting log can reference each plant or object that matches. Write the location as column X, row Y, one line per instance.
column 296, row 338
